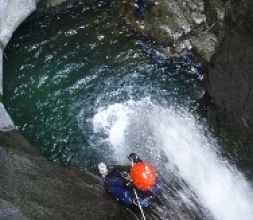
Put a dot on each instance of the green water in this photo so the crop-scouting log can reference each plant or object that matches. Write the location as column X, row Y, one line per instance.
column 81, row 88
column 60, row 69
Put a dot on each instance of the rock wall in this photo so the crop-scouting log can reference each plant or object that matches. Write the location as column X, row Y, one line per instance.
column 220, row 33
column 6, row 124
column 30, row 186
column 12, row 14
column 183, row 24
column 1, row 69
column 33, row 188
column 230, row 74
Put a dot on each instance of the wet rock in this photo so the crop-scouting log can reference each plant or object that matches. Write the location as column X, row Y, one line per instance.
column 8, row 211
column 6, row 123
column 229, row 82
column 230, row 79
column 1, row 45
column 33, row 188
column 205, row 44
column 172, row 23
column 220, row 32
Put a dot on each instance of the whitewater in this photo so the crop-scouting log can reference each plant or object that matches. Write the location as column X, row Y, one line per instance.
column 189, row 153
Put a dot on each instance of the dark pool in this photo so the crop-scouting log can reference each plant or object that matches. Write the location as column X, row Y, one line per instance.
column 60, row 69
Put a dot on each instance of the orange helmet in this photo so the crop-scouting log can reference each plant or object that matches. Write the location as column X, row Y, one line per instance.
column 143, row 176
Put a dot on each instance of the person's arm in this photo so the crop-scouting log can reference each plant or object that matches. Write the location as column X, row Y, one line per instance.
column 134, row 158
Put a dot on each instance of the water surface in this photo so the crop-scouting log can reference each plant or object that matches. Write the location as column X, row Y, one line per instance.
column 61, row 69
column 83, row 90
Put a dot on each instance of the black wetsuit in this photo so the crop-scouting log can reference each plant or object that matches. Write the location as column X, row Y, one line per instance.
column 141, row 7
column 123, row 190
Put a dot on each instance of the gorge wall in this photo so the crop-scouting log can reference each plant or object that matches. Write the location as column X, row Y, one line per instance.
column 32, row 187
column 12, row 14
column 220, row 33
column 230, row 73
column 181, row 25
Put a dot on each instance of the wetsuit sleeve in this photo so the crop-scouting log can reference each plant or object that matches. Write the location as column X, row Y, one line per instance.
column 118, row 188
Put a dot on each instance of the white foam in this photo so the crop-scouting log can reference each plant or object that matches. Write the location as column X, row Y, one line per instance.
column 192, row 155
column 218, row 186
column 113, row 122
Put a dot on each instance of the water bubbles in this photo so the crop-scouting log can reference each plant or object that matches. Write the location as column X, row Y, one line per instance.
column 48, row 58
column 42, row 80
column 93, row 46
column 153, row 132
column 70, row 32
column 113, row 122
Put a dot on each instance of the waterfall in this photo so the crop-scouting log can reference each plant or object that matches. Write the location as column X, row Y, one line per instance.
column 155, row 131
column 168, row 136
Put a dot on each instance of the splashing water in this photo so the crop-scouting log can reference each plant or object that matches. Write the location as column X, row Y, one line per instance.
column 144, row 127
column 113, row 121
column 85, row 86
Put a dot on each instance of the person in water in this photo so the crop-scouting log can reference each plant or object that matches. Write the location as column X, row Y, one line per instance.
column 140, row 7
column 122, row 187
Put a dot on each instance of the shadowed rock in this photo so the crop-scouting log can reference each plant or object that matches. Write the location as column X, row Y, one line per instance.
column 33, row 188
column 230, row 78
column 191, row 24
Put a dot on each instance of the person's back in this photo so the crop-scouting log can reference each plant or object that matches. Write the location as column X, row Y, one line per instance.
column 119, row 185
column 119, row 188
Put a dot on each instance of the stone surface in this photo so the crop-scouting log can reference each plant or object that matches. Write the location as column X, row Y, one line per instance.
column 220, row 32
column 6, row 123
column 230, row 75
column 172, row 23
column 1, row 70
column 205, row 44
column 12, row 14
column 30, row 186
column 33, row 188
